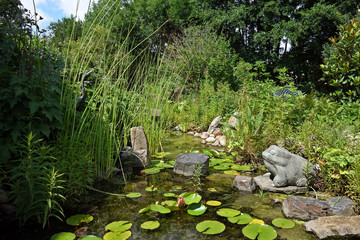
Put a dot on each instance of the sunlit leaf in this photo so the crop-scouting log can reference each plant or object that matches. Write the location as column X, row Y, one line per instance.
column 259, row 231
column 191, row 197
column 79, row 218
column 227, row 212
column 133, row 195
column 63, row 236
column 196, row 209
column 210, row 227
column 283, row 223
column 150, row 225
column 213, row 203
column 117, row 235
column 241, row 219
column 159, row 208
column 118, row 226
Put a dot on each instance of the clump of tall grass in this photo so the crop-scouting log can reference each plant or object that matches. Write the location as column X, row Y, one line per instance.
column 124, row 92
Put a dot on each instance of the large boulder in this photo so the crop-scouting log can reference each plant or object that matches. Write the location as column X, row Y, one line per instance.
column 288, row 169
column 310, row 208
column 185, row 164
column 335, row 227
column 140, row 147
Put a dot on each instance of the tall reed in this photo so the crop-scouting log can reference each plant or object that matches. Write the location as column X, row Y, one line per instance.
column 127, row 89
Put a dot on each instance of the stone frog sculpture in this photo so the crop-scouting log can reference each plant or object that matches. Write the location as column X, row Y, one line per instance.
column 287, row 169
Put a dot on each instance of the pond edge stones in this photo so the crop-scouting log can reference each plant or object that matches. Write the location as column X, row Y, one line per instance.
column 186, row 163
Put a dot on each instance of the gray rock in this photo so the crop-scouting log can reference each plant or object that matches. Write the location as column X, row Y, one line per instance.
column 266, row 184
column 214, row 124
column 197, row 135
column 128, row 159
column 205, row 135
column 217, row 132
column 210, row 140
column 185, row 164
column 310, row 208
column 244, row 184
column 140, row 147
column 339, row 227
column 233, row 121
column 287, row 169
column 216, row 143
column 222, row 141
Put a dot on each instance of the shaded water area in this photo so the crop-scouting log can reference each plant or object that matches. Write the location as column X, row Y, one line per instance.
column 178, row 224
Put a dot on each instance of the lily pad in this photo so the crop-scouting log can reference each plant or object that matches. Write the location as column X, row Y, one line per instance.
column 208, row 153
column 259, row 231
column 231, row 172
column 255, row 220
column 118, row 226
column 79, row 218
column 151, row 189
column 191, row 197
column 215, row 161
column 196, row 209
column 283, row 223
column 151, row 171
column 210, row 227
column 161, row 155
column 133, row 195
column 63, row 236
column 150, row 225
column 241, row 219
column 172, row 205
column 90, row 237
column 227, row 212
column 159, row 208
column 240, row 167
column 222, row 167
column 145, row 209
column 117, row 235
column 163, row 165
column 212, row 189
column 169, row 195
column 213, row 203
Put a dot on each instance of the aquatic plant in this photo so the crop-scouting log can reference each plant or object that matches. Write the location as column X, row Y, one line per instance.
column 210, row 227
column 283, row 223
column 191, row 197
column 259, row 231
column 150, row 225
column 196, row 209
column 243, row 218
column 133, row 195
column 118, row 226
column 63, row 236
column 77, row 219
column 213, row 203
column 227, row 212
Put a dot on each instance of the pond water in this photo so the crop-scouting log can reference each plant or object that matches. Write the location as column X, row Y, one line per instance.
column 176, row 225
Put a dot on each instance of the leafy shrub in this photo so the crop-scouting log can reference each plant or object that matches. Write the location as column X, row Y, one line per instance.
column 30, row 80
column 341, row 62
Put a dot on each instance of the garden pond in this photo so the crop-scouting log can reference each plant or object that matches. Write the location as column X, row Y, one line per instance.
column 178, row 224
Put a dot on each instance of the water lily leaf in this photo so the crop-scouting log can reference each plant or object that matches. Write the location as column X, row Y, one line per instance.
column 241, row 219
column 151, row 189
column 208, row 153
column 213, row 203
column 79, row 218
column 231, row 172
column 159, row 208
column 144, row 210
column 222, row 167
column 150, row 225
column 163, row 165
column 196, row 209
column 240, row 167
column 63, row 236
column 118, row 226
column 227, row 163
column 210, row 227
column 227, row 212
column 161, row 155
column 169, row 195
column 90, row 237
column 283, row 223
column 172, row 205
column 255, row 220
column 212, row 189
column 191, row 197
column 172, row 163
column 133, row 195
column 215, row 161
column 151, row 171
column 259, row 231
column 117, row 235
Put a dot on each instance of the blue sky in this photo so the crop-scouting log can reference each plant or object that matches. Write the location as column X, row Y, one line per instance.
column 52, row 10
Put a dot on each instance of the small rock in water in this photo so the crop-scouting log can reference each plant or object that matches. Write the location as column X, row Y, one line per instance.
column 185, row 164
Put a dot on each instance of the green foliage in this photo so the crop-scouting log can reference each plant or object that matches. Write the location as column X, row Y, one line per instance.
column 30, row 79
column 341, row 63
column 35, row 185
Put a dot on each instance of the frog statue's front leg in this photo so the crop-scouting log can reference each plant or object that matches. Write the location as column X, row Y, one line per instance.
column 280, row 180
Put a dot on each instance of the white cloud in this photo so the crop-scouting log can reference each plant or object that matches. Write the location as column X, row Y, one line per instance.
column 40, row 6
column 69, row 7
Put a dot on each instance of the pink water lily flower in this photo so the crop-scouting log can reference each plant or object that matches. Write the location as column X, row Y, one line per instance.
column 180, row 202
